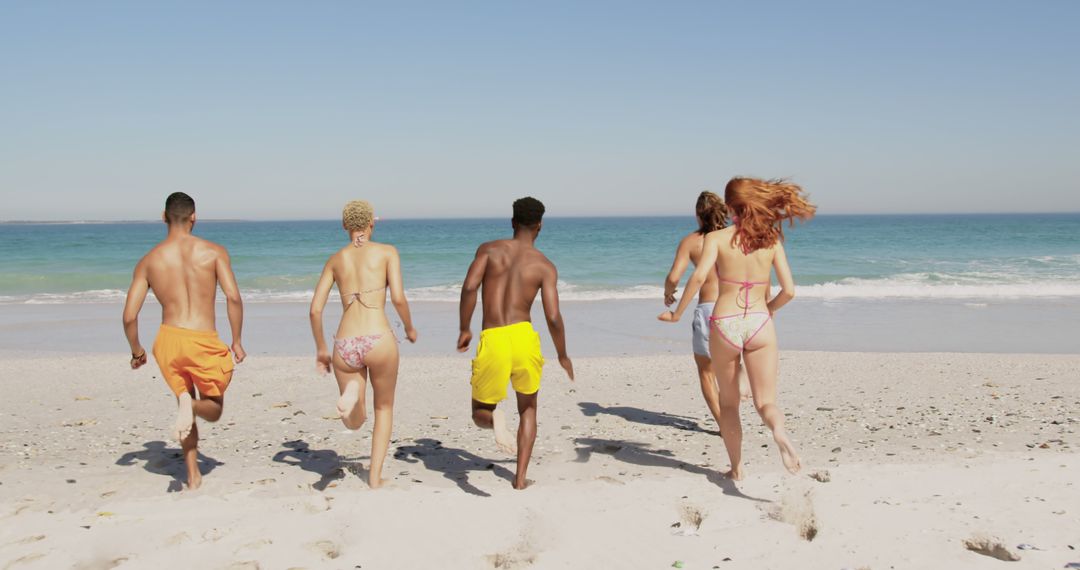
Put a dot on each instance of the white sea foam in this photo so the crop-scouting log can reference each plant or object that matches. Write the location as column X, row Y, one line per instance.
column 93, row 296
column 907, row 287
column 966, row 286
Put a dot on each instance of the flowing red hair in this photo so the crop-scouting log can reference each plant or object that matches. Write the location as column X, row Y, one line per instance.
column 761, row 207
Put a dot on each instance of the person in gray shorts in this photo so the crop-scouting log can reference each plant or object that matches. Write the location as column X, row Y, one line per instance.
column 699, row 340
column 711, row 216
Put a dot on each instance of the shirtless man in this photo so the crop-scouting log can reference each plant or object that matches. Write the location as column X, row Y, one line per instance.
column 184, row 272
column 511, row 271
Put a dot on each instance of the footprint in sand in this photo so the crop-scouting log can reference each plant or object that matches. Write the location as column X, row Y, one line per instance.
column 178, row 538
column 24, row 559
column 521, row 555
column 328, row 549
column 317, row 504
column 245, row 565
column 254, row 545
column 991, row 546
column 797, row 508
column 214, row 535
column 690, row 519
column 115, row 562
column 511, row 559
column 29, row 539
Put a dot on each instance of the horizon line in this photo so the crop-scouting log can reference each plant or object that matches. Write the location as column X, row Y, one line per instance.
column 632, row 216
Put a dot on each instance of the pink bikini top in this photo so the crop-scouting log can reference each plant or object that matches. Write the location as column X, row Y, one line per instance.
column 744, row 289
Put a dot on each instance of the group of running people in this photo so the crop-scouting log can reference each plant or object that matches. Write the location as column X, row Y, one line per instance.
column 737, row 245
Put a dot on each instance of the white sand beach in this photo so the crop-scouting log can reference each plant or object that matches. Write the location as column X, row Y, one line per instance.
column 913, row 454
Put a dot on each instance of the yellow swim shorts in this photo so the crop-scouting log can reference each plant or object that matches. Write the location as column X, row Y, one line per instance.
column 506, row 353
column 196, row 358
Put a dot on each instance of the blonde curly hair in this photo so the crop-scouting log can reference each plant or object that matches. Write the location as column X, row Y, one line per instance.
column 357, row 215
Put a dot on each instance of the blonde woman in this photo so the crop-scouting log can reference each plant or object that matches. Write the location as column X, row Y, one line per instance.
column 744, row 256
column 364, row 347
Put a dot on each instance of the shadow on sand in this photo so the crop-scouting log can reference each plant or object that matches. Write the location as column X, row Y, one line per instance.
column 168, row 461
column 453, row 463
column 326, row 463
column 591, row 409
column 641, row 454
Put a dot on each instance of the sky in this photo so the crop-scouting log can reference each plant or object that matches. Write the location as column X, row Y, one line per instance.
column 286, row 110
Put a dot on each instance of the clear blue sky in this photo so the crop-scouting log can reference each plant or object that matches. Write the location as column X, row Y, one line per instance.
column 288, row 109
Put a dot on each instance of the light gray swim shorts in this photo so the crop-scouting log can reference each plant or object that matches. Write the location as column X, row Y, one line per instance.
column 700, row 340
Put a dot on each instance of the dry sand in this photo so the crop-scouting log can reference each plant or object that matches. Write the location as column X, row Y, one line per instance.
column 906, row 457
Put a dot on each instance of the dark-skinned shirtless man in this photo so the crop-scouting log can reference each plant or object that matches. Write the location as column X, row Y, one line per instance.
column 184, row 273
column 509, row 273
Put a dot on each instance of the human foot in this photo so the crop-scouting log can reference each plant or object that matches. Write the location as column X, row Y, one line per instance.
column 185, row 417
column 519, row 484
column 787, row 453
column 348, row 399
column 504, row 438
column 194, row 480
column 735, row 474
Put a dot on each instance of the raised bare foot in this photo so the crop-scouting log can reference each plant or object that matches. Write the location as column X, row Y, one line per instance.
column 349, row 398
column 185, row 417
column 787, row 453
column 735, row 474
column 504, row 438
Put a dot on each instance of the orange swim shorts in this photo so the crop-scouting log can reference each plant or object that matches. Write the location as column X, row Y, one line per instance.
column 196, row 358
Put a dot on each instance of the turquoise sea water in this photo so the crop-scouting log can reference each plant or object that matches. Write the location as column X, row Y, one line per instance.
column 833, row 257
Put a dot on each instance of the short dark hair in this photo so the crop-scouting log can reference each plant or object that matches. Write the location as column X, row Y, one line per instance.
column 528, row 211
column 179, row 207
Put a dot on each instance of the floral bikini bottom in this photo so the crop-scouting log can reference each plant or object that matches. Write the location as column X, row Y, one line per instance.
column 353, row 349
column 739, row 330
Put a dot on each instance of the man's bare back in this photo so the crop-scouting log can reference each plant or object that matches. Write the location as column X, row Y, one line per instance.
column 513, row 275
column 183, row 274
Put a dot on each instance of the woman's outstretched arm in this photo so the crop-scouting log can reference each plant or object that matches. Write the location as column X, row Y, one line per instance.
column 678, row 268
column 708, row 260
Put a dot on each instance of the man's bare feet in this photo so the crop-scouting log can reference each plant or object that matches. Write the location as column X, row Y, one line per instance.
column 185, row 417
column 787, row 453
column 349, row 398
column 519, row 485
column 735, row 474
column 504, row 438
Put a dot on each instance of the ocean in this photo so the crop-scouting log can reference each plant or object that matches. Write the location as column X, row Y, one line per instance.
column 968, row 258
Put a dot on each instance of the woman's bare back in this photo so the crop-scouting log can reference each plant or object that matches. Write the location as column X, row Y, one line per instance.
column 743, row 277
column 361, row 278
